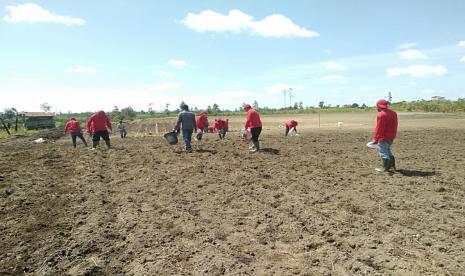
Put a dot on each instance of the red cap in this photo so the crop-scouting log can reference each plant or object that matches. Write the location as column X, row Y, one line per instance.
column 246, row 106
column 382, row 103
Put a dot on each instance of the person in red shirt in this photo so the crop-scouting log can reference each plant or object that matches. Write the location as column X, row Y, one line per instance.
column 202, row 125
column 289, row 125
column 385, row 133
column 98, row 125
column 253, row 123
column 73, row 127
column 220, row 127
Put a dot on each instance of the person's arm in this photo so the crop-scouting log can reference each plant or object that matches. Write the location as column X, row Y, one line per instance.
column 108, row 123
column 66, row 127
column 380, row 128
column 247, row 120
column 195, row 123
column 177, row 126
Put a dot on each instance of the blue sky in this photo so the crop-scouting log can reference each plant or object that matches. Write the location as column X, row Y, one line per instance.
column 92, row 55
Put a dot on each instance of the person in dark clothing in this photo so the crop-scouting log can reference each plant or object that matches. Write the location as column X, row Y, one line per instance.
column 186, row 123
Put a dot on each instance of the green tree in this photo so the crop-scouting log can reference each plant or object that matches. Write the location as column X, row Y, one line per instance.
column 45, row 107
column 255, row 105
column 321, row 104
column 128, row 113
column 216, row 108
column 9, row 113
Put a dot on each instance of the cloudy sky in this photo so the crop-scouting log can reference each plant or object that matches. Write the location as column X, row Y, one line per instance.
column 89, row 55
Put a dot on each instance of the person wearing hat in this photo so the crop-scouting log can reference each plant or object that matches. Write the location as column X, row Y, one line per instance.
column 384, row 135
column 253, row 123
column 289, row 125
column 186, row 123
column 73, row 127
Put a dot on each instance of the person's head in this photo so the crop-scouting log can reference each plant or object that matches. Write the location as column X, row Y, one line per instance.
column 72, row 119
column 121, row 121
column 246, row 106
column 184, row 106
column 294, row 122
column 382, row 104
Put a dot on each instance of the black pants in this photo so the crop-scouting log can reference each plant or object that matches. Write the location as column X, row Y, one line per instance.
column 255, row 133
column 77, row 134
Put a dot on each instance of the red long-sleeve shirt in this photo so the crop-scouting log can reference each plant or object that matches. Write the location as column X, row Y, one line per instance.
column 219, row 124
column 202, row 120
column 72, row 126
column 386, row 125
column 291, row 124
column 98, row 122
column 252, row 119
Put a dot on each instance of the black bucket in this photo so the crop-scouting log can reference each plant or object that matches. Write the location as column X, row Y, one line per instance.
column 171, row 138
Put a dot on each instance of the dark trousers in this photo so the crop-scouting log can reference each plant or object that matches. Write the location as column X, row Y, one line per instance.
column 255, row 133
column 77, row 134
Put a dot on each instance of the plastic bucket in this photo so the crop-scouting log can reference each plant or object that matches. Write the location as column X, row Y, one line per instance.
column 171, row 138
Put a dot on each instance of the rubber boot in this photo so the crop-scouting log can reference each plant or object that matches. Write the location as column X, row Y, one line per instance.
column 385, row 167
column 74, row 144
column 108, row 143
column 393, row 163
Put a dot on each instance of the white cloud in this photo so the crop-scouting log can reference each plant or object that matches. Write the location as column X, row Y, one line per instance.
column 164, row 74
column 164, row 86
column 462, row 59
column 407, row 45
column 417, row 71
column 81, row 70
column 328, row 52
column 331, row 65
column 412, row 54
column 32, row 13
column 278, row 88
column 275, row 25
column 336, row 78
column 461, row 43
column 177, row 63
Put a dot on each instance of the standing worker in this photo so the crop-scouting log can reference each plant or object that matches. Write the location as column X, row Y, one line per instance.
column 290, row 125
column 202, row 125
column 98, row 125
column 73, row 127
column 186, row 123
column 253, row 123
column 385, row 133
column 122, row 129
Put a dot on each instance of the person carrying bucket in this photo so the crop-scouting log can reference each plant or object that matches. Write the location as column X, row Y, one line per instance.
column 253, row 123
column 290, row 125
column 186, row 123
column 98, row 125
column 202, row 125
column 73, row 127
column 384, row 135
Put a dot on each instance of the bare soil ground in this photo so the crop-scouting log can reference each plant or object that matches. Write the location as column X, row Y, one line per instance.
column 307, row 205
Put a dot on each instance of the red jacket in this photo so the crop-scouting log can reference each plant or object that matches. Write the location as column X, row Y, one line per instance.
column 202, row 120
column 291, row 124
column 98, row 122
column 252, row 119
column 386, row 125
column 72, row 126
column 219, row 124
